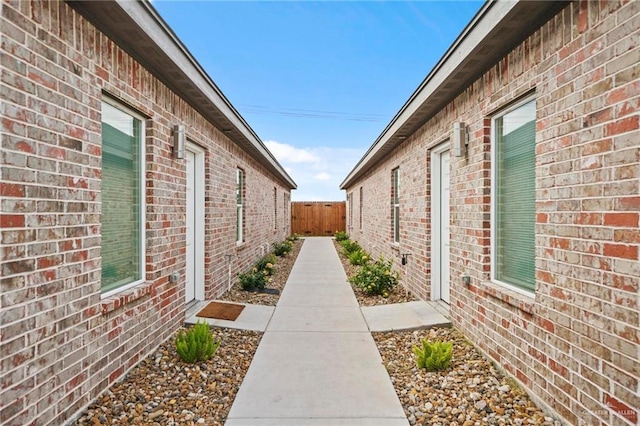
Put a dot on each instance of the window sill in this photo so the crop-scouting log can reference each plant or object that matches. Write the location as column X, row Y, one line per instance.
column 523, row 302
column 117, row 300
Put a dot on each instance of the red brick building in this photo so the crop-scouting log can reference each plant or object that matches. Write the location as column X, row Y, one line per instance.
column 130, row 186
column 512, row 178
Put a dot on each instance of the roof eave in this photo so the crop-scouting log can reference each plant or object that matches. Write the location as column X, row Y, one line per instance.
column 139, row 30
column 496, row 29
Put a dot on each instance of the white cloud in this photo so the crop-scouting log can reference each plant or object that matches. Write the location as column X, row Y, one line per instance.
column 318, row 171
column 290, row 154
column 322, row 176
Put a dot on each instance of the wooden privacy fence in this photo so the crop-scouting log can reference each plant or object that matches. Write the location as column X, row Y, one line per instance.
column 318, row 218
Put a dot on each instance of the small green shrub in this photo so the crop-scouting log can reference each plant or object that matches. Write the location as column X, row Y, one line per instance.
column 359, row 257
column 375, row 278
column 349, row 247
column 254, row 279
column 341, row 236
column 293, row 237
column 196, row 344
column 266, row 265
column 434, row 356
column 280, row 249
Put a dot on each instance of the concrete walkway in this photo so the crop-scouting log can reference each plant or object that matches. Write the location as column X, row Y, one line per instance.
column 317, row 363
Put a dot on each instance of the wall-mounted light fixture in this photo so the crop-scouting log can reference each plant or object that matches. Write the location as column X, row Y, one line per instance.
column 178, row 142
column 405, row 258
column 459, row 139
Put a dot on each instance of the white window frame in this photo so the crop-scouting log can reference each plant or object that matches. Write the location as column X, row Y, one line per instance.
column 494, row 198
column 141, row 194
column 285, row 211
column 350, row 202
column 395, row 202
column 275, row 208
column 361, row 207
column 241, row 183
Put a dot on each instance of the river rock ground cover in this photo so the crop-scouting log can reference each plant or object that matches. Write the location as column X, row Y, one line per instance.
column 397, row 295
column 471, row 392
column 162, row 390
column 284, row 265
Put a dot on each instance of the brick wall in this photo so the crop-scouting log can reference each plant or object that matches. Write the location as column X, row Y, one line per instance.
column 61, row 343
column 575, row 345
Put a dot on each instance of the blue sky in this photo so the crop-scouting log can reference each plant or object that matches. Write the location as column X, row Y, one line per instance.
column 317, row 81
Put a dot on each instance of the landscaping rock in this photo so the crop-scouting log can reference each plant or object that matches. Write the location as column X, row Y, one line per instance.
column 397, row 295
column 470, row 392
column 164, row 390
column 278, row 280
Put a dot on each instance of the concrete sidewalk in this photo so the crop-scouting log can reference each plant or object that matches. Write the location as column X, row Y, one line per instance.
column 317, row 363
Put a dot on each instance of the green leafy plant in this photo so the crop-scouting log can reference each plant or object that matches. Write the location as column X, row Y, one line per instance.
column 341, row 236
column 280, row 249
column 433, row 356
column 375, row 278
column 267, row 265
column 254, row 279
column 293, row 237
column 349, row 247
column 196, row 344
column 359, row 257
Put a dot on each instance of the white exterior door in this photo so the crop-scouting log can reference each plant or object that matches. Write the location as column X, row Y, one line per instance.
column 190, row 289
column 440, row 224
column 445, row 232
column 194, row 223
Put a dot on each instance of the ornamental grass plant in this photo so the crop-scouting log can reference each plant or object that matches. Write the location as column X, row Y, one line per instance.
column 433, row 356
column 196, row 344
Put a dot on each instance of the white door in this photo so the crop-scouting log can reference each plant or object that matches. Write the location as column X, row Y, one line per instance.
column 445, row 232
column 440, row 220
column 194, row 274
column 190, row 276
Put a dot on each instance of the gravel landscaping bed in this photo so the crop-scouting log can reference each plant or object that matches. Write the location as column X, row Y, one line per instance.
column 397, row 295
column 163, row 390
column 278, row 280
column 472, row 392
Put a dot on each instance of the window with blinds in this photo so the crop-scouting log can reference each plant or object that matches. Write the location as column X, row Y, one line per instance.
column 122, row 202
column 361, row 207
column 240, row 205
column 514, row 196
column 395, row 204
column 350, row 203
